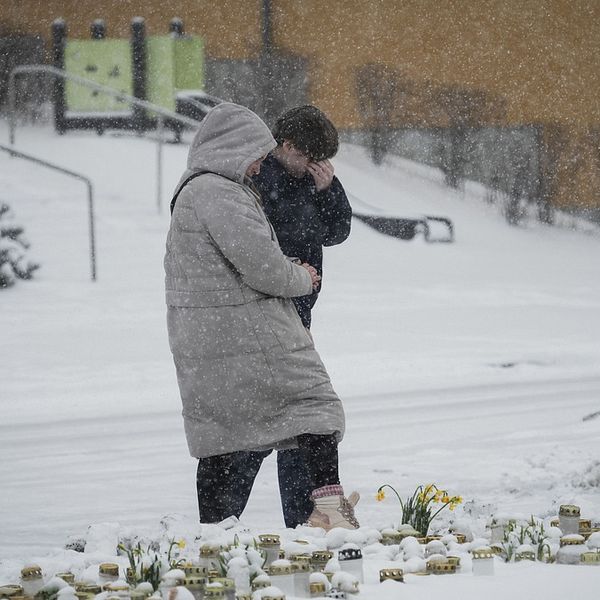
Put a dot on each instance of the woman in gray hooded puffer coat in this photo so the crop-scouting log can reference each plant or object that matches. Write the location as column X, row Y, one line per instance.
column 248, row 373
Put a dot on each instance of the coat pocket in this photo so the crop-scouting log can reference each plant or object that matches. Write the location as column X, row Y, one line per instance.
column 282, row 323
column 211, row 332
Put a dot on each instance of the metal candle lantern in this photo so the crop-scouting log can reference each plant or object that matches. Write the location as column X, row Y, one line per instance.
column 10, row 591
column 107, row 573
column 117, row 589
column 214, row 593
column 320, row 558
column 441, row 567
column 524, row 552
column 228, row 586
column 590, row 558
column 393, row 574
column 274, row 596
column 196, row 586
column 67, row 577
column 453, row 560
column 391, row 538
column 192, row 570
column 585, row 527
column 260, row 582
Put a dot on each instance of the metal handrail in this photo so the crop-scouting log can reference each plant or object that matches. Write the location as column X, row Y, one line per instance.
column 162, row 113
column 86, row 180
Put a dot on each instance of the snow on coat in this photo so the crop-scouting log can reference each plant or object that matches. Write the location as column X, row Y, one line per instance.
column 248, row 372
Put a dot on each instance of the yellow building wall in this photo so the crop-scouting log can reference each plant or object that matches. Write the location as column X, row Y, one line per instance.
column 539, row 58
column 542, row 56
column 230, row 28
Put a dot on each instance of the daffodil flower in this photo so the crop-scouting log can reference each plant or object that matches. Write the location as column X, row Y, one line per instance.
column 417, row 510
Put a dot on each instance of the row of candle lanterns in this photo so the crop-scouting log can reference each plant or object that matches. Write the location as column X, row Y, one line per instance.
column 300, row 575
column 305, row 575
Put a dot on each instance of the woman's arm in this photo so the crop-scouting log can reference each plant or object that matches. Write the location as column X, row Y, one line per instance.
column 243, row 235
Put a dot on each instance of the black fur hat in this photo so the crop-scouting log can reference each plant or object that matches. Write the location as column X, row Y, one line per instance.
column 308, row 130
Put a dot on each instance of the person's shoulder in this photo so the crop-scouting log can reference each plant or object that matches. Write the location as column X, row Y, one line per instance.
column 211, row 189
column 209, row 181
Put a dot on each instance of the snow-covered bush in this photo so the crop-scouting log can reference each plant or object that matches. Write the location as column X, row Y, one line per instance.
column 13, row 262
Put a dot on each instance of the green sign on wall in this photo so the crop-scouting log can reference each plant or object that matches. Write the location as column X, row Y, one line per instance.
column 173, row 64
column 107, row 62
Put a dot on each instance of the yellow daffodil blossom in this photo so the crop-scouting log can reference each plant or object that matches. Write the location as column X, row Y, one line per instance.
column 181, row 544
column 380, row 495
column 440, row 495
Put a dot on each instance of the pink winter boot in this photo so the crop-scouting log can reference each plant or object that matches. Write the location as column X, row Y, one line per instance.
column 333, row 509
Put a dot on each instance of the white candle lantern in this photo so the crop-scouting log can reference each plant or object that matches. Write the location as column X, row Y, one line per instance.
column 270, row 545
column 209, row 557
column 483, row 561
column 260, row 581
column 108, row 573
column 282, row 577
column 571, row 548
column 301, row 573
column 568, row 518
column 32, row 580
column 320, row 558
column 351, row 561
column 196, row 586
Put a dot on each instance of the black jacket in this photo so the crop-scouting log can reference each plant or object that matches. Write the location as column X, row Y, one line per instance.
column 304, row 220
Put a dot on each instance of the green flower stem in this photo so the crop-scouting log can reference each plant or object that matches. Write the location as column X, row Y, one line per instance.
column 395, row 492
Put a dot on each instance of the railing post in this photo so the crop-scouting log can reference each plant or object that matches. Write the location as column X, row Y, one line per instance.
column 92, row 230
column 138, row 57
column 59, row 36
column 98, row 29
column 12, row 152
column 160, row 131
column 12, row 117
column 176, row 27
column 136, row 102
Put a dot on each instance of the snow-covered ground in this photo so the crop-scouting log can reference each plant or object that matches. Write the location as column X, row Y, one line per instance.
column 471, row 365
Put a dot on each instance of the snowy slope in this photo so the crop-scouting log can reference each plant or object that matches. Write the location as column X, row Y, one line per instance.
column 471, row 365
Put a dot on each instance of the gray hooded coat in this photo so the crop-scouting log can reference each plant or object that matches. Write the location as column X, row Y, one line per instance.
column 248, row 372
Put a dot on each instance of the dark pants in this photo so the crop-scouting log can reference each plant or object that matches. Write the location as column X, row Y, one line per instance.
column 224, row 482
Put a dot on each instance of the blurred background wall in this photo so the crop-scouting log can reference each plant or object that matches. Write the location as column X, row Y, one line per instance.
column 504, row 92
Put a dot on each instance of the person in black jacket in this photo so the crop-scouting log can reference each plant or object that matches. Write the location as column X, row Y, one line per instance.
column 308, row 209
column 302, row 197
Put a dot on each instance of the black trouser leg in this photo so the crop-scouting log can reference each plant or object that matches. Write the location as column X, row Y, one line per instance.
column 213, row 484
column 295, row 487
column 224, row 483
column 320, row 454
column 245, row 467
